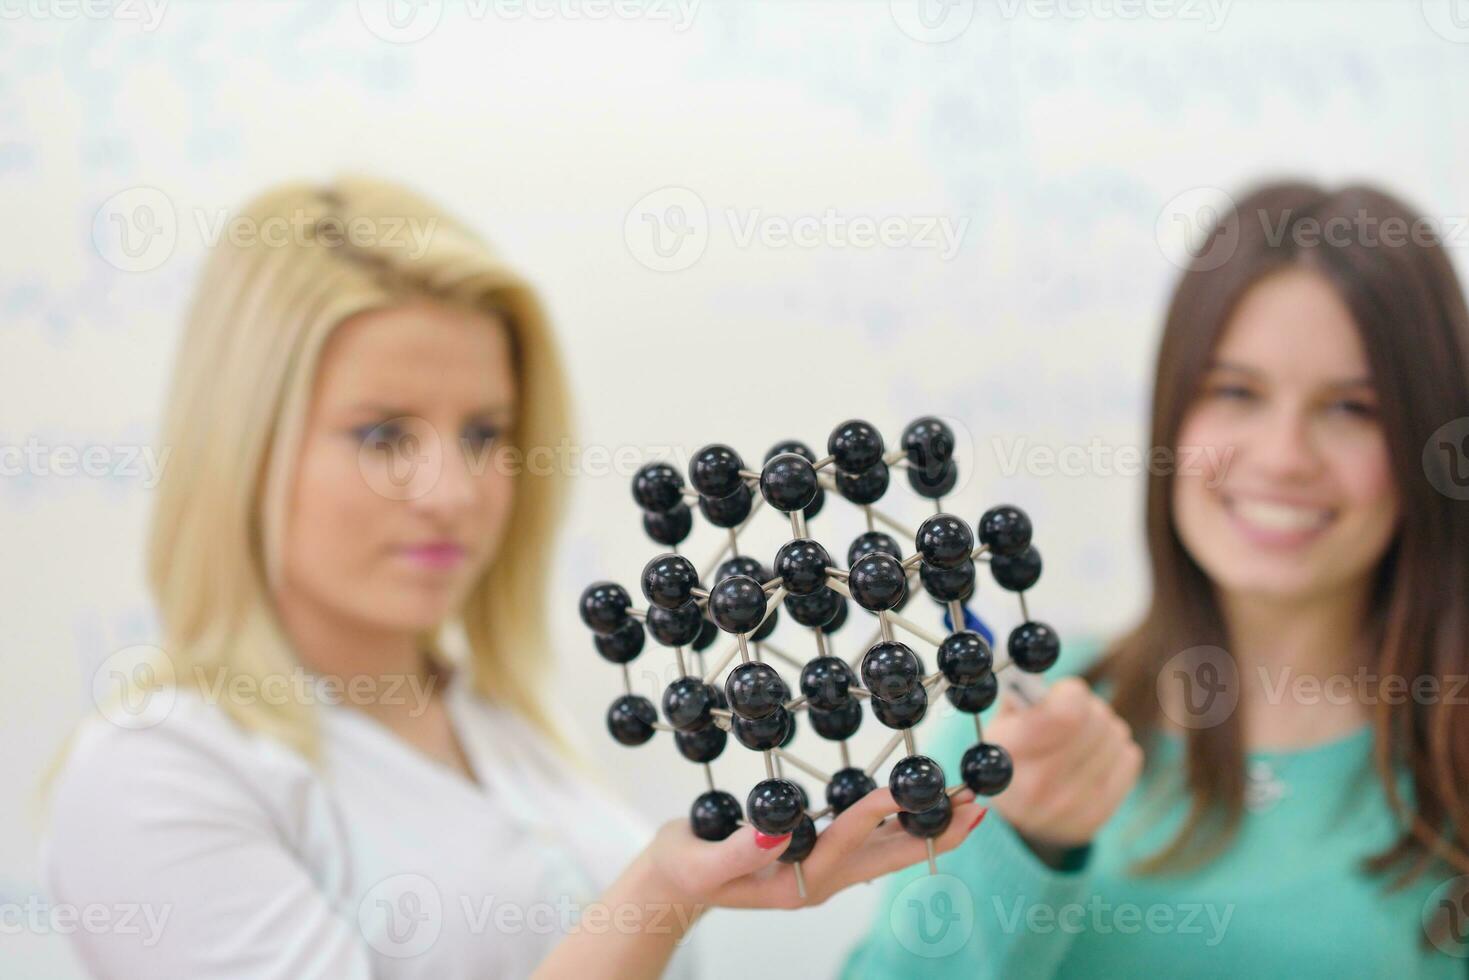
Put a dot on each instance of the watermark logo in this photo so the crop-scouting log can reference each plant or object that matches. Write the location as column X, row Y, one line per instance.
column 402, row 458
column 401, row 916
column 667, row 230
column 1446, row 459
column 136, row 230
column 401, row 21
column 1449, row 19
column 147, row 14
column 1186, row 225
column 1449, row 903
column 932, row 21
column 933, row 916
column 134, row 687
column 1199, row 687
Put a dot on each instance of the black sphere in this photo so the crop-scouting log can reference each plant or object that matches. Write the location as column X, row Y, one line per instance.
column 801, row 564
column 768, row 627
column 688, row 704
column 974, row 698
column 814, row 610
column 1017, row 572
column 705, row 745
column 668, row 580
column 669, row 528
column 604, row 606
column 755, row 690
column 933, row 484
column 788, row 482
column 877, row 581
column 791, row 446
column 772, row 731
column 826, row 682
column 743, row 565
column 1034, row 647
column 928, row 823
column 803, row 842
column 728, row 511
column 623, row 644
column 944, row 541
column 839, row 724
column 929, row 444
column 891, row 670
column 965, row 657
column 903, row 712
column 847, row 786
column 986, row 769
column 870, row 541
column 839, row 619
column 774, row 806
column 630, row 719
column 948, row 584
column 737, row 604
column 657, row 487
column 1005, row 529
column 676, row 627
column 707, row 634
column 817, row 502
column 715, row 815
column 715, row 471
column 917, row 782
column 865, row 487
column 855, row 445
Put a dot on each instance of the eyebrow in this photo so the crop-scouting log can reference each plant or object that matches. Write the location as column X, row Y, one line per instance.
column 390, row 411
column 1246, row 369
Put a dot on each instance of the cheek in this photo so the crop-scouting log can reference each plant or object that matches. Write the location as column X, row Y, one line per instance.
column 333, row 509
column 1363, row 471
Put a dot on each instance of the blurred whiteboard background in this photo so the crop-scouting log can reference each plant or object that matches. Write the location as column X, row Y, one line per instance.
column 686, row 182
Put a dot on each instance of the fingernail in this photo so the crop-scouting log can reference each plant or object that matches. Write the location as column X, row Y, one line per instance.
column 979, row 818
column 767, row 841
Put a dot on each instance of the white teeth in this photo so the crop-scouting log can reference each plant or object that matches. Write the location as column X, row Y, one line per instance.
column 1281, row 517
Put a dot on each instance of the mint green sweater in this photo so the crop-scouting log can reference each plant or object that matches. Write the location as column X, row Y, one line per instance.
column 1287, row 899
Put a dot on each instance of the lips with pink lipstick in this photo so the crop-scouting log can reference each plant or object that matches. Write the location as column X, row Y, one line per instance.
column 1275, row 521
column 443, row 554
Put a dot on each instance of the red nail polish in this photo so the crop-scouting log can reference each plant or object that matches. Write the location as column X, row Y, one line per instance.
column 767, row 841
column 979, row 818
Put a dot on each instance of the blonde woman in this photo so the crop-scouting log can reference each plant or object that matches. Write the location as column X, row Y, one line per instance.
column 308, row 780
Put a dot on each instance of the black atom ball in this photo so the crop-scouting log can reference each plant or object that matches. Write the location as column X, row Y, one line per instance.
column 772, row 620
column 839, row 724
column 1017, row 573
column 715, row 815
column 826, row 682
column 604, row 606
column 708, row 632
column 630, row 719
column 877, row 581
column 801, row 564
column 855, row 445
column 948, row 584
column 1006, row 529
column 839, row 619
column 974, row 698
column 791, row 446
column 676, row 627
column 668, row 580
column 788, row 482
column 891, row 670
column 965, row 657
column 657, row 487
column 803, row 842
column 903, row 712
column 623, row 644
column 737, row 604
column 760, row 734
column 669, row 528
column 917, row 782
column 814, row 610
column 817, row 502
column 869, row 541
column 1034, row 647
column 688, row 704
column 728, row 511
column 944, row 541
column 986, row 769
column 847, row 786
column 864, row 487
column 936, row 483
column 928, row 442
column 928, row 823
column 715, row 471
column 774, row 806
column 743, row 565
column 705, row 745
column 755, row 690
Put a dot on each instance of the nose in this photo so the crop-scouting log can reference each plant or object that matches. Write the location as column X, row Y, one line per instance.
column 449, row 487
column 1282, row 447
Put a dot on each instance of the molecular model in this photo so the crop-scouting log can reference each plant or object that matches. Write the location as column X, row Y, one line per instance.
column 754, row 701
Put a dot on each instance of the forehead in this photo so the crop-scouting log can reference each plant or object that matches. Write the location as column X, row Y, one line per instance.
column 1293, row 325
column 416, row 354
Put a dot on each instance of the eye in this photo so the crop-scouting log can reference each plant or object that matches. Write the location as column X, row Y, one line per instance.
column 1354, row 407
column 1231, row 392
column 380, row 435
column 481, row 436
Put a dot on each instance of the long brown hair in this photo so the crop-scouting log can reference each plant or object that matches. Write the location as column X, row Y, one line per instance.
column 1411, row 315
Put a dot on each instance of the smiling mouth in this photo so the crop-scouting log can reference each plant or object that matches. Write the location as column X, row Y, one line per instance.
column 1273, row 523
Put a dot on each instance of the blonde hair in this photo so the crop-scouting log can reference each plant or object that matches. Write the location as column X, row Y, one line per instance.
column 234, row 419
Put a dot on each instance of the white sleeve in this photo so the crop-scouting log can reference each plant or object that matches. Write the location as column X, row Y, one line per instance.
column 161, row 830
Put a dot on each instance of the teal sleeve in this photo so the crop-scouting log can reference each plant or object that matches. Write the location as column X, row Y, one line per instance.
column 970, row 919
